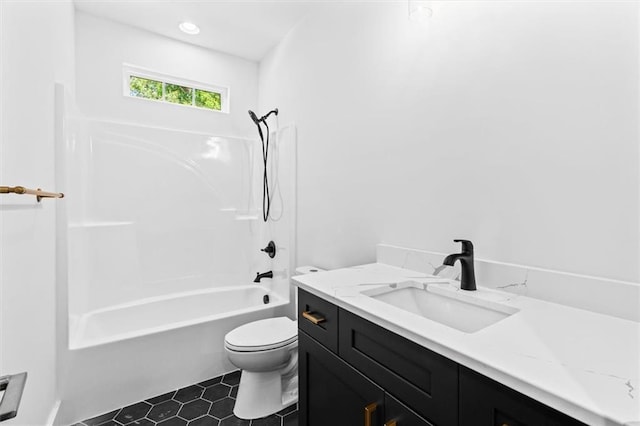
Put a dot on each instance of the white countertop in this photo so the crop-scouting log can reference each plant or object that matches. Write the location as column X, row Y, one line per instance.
column 581, row 363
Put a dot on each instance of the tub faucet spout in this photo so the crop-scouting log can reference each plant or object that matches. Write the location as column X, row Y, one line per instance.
column 260, row 276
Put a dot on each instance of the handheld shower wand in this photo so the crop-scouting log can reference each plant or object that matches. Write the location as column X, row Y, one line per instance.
column 256, row 120
column 266, row 198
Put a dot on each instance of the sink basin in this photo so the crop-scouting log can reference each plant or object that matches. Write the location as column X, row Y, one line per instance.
column 443, row 304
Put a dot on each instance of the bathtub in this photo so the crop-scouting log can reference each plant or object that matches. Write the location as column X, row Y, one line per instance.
column 164, row 313
column 135, row 351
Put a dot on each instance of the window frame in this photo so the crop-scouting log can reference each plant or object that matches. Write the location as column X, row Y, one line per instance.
column 129, row 71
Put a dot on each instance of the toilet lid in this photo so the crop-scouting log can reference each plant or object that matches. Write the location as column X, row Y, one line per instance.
column 262, row 335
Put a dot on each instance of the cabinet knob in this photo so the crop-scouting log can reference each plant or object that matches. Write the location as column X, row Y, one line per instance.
column 368, row 413
column 391, row 423
column 308, row 315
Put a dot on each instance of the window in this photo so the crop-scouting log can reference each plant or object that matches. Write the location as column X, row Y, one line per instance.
column 145, row 84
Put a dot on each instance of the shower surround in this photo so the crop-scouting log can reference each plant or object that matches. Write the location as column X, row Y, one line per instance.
column 163, row 234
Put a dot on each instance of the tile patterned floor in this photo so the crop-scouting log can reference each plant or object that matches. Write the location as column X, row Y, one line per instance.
column 209, row 403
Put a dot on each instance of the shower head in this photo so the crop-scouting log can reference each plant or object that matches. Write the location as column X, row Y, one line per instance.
column 254, row 117
column 257, row 120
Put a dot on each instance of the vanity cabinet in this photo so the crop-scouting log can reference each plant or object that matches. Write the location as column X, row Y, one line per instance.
column 337, row 394
column 424, row 380
column 486, row 402
column 334, row 392
column 353, row 372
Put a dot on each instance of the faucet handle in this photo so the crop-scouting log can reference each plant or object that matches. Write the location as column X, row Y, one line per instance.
column 270, row 249
column 467, row 246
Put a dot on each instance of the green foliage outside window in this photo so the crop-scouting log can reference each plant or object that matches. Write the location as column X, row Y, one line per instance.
column 210, row 100
column 152, row 89
column 145, row 88
column 178, row 94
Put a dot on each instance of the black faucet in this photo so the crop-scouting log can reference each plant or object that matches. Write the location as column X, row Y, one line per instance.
column 260, row 276
column 468, row 278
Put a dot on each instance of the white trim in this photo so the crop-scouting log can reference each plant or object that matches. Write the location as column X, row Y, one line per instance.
column 129, row 70
column 53, row 414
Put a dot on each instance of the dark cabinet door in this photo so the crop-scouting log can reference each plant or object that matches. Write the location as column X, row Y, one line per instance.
column 484, row 402
column 398, row 414
column 332, row 392
column 423, row 380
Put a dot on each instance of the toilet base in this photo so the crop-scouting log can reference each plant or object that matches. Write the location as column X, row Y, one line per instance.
column 261, row 394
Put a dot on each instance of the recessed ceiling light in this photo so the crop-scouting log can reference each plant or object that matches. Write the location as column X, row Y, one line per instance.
column 420, row 10
column 189, row 28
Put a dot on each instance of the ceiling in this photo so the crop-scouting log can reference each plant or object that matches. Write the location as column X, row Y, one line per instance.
column 245, row 28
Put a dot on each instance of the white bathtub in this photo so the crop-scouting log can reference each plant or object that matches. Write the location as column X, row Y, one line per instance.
column 134, row 351
column 158, row 314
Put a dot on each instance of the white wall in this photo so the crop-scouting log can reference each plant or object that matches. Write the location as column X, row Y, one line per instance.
column 102, row 47
column 513, row 124
column 36, row 51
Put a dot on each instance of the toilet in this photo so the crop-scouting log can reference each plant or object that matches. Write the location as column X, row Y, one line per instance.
column 266, row 352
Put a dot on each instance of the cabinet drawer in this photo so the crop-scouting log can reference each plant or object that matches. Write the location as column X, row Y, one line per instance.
column 319, row 319
column 484, row 402
column 423, row 380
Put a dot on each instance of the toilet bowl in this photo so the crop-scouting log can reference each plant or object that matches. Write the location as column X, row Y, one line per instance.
column 266, row 352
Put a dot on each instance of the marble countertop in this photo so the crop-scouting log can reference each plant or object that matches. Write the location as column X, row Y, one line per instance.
column 581, row 363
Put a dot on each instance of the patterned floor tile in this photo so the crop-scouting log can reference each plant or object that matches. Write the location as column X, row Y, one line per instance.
column 216, row 392
column 164, row 410
column 210, row 382
column 272, row 420
column 291, row 419
column 204, row 421
column 289, row 409
column 223, row 408
column 102, row 418
column 234, row 421
column 234, row 392
column 208, row 403
column 161, row 398
column 133, row 412
column 111, row 423
column 194, row 409
column 142, row 422
column 232, row 378
column 189, row 393
column 173, row 421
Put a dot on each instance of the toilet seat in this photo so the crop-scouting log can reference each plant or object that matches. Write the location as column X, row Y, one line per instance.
column 263, row 335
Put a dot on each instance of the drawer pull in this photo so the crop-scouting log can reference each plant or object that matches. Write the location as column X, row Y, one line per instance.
column 391, row 423
column 314, row 319
column 368, row 412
